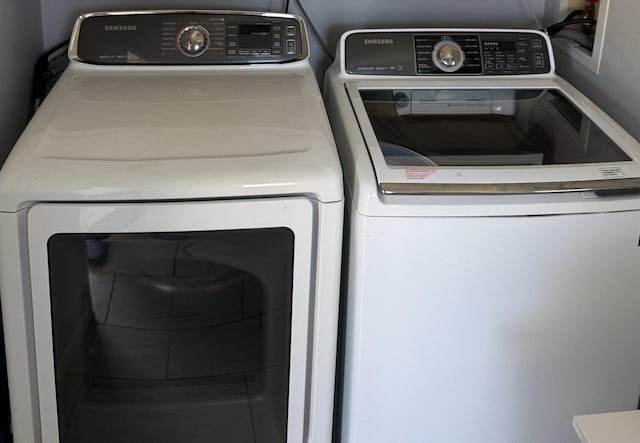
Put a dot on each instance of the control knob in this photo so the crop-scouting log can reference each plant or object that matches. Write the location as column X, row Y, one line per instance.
column 448, row 56
column 193, row 40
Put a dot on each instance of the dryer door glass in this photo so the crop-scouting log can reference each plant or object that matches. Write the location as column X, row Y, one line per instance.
column 172, row 337
column 484, row 127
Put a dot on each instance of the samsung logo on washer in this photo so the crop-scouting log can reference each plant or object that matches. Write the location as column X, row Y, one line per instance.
column 378, row 41
column 120, row 28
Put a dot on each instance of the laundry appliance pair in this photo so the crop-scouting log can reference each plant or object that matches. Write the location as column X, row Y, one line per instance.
column 171, row 226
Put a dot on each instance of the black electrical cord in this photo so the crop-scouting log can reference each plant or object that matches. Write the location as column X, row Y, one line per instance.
column 558, row 26
column 286, row 6
column 313, row 28
column 573, row 14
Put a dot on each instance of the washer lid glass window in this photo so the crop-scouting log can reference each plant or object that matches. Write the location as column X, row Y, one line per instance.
column 525, row 140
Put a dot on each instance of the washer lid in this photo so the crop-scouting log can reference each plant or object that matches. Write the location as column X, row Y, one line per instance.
column 167, row 133
column 500, row 140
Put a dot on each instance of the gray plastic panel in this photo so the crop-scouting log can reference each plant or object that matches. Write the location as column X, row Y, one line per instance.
column 410, row 53
column 383, row 53
column 140, row 38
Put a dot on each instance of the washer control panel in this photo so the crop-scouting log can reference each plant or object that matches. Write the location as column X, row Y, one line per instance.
column 474, row 52
column 182, row 37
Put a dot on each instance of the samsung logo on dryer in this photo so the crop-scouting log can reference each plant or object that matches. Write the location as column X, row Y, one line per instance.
column 378, row 41
column 120, row 28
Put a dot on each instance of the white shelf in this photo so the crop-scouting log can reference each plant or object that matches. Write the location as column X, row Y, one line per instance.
column 615, row 427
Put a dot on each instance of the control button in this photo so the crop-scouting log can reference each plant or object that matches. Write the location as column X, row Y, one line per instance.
column 501, row 66
column 401, row 100
column 243, row 52
column 512, row 67
column 193, row 40
column 277, row 36
column 266, row 52
column 536, row 43
column 254, row 52
column 448, row 56
column 291, row 46
column 538, row 60
column 232, row 52
column 291, row 31
column 276, row 44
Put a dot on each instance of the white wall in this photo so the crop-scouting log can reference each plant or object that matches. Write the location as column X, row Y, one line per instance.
column 58, row 15
column 330, row 17
column 20, row 45
column 615, row 88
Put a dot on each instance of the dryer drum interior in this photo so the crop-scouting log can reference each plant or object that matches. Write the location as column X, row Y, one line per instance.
column 174, row 337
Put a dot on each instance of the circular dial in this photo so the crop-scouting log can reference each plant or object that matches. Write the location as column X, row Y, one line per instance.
column 193, row 40
column 448, row 56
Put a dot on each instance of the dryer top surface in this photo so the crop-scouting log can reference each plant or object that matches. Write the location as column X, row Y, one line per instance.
column 175, row 133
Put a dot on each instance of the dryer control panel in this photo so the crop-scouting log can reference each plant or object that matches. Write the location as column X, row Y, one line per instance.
column 442, row 52
column 188, row 37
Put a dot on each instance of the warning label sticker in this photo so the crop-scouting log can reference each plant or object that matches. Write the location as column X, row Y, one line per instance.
column 611, row 172
column 418, row 173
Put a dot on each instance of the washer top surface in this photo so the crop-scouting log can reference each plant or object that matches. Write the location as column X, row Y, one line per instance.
column 130, row 133
column 433, row 121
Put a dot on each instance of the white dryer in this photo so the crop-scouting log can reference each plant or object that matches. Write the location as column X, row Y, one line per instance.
column 492, row 290
column 170, row 231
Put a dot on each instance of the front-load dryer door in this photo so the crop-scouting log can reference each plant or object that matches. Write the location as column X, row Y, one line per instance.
column 172, row 322
column 500, row 140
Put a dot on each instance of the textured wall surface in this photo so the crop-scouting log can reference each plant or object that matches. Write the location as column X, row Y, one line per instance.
column 20, row 46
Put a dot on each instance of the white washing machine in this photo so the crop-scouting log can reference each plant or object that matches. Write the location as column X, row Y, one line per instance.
column 493, row 254
column 170, row 231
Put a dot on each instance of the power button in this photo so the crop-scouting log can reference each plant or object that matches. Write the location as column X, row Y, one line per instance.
column 291, row 46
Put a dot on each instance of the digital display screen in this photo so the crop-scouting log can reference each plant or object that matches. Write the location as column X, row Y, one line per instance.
column 500, row 46
column 256, row 36
column 507, row 46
